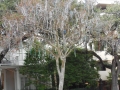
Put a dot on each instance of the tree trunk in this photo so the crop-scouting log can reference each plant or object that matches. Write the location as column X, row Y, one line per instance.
column 61, row 72
column 61, row 78
column 114, row 81
column 3, row 53
column 114, row 76
column 55, row 80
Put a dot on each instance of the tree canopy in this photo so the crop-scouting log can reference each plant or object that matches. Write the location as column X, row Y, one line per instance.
column 36, row 67
column 81, row 69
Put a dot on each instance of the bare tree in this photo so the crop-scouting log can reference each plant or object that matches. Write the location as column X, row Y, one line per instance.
column 11, row 34
column 106, row 31
column 60, row 24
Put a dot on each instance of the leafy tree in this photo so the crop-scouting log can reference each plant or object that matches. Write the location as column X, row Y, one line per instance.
column 7, row 6
column 36, row 67
column 75, row 74
column 105, row 36
column 110, row 36
column 109, row 79
column 80, row 69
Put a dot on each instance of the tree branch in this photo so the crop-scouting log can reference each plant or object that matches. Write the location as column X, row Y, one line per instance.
column 6, row 49
column 97, row 56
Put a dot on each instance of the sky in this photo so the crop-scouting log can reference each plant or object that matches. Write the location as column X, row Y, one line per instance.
column 105, row 1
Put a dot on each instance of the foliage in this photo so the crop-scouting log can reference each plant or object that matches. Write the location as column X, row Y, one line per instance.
column 109, row 79
column 111, row 20
column 112, row 13
column 36, row 68
column 7, row 6
column 80, row 69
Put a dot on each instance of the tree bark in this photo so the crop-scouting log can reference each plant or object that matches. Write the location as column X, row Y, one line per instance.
column 94, row 54
column 61, row 81
column 61, row 72
column 114, row 76
column 62, row 75
column 3, row 53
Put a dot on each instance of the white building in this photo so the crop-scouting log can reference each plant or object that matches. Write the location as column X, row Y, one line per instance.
column 11, row 79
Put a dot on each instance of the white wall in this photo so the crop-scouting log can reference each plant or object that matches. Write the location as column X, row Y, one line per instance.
column 104, row 74
column 104, row 56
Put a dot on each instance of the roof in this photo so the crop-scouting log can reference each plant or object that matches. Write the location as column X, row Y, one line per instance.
column 102, row 6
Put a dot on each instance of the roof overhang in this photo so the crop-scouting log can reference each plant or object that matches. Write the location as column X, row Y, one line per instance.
column 5, row 66
column 102, row 6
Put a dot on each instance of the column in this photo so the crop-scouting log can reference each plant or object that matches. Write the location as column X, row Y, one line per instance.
column 4, row 80
column 0, row 79
column 17, row 80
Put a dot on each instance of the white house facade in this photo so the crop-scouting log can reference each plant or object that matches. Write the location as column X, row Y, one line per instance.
column 11, row 79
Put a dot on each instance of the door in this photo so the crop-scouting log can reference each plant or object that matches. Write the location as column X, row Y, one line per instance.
column 10, row 80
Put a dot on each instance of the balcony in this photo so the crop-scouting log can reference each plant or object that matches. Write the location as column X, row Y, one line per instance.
column 14, row 58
